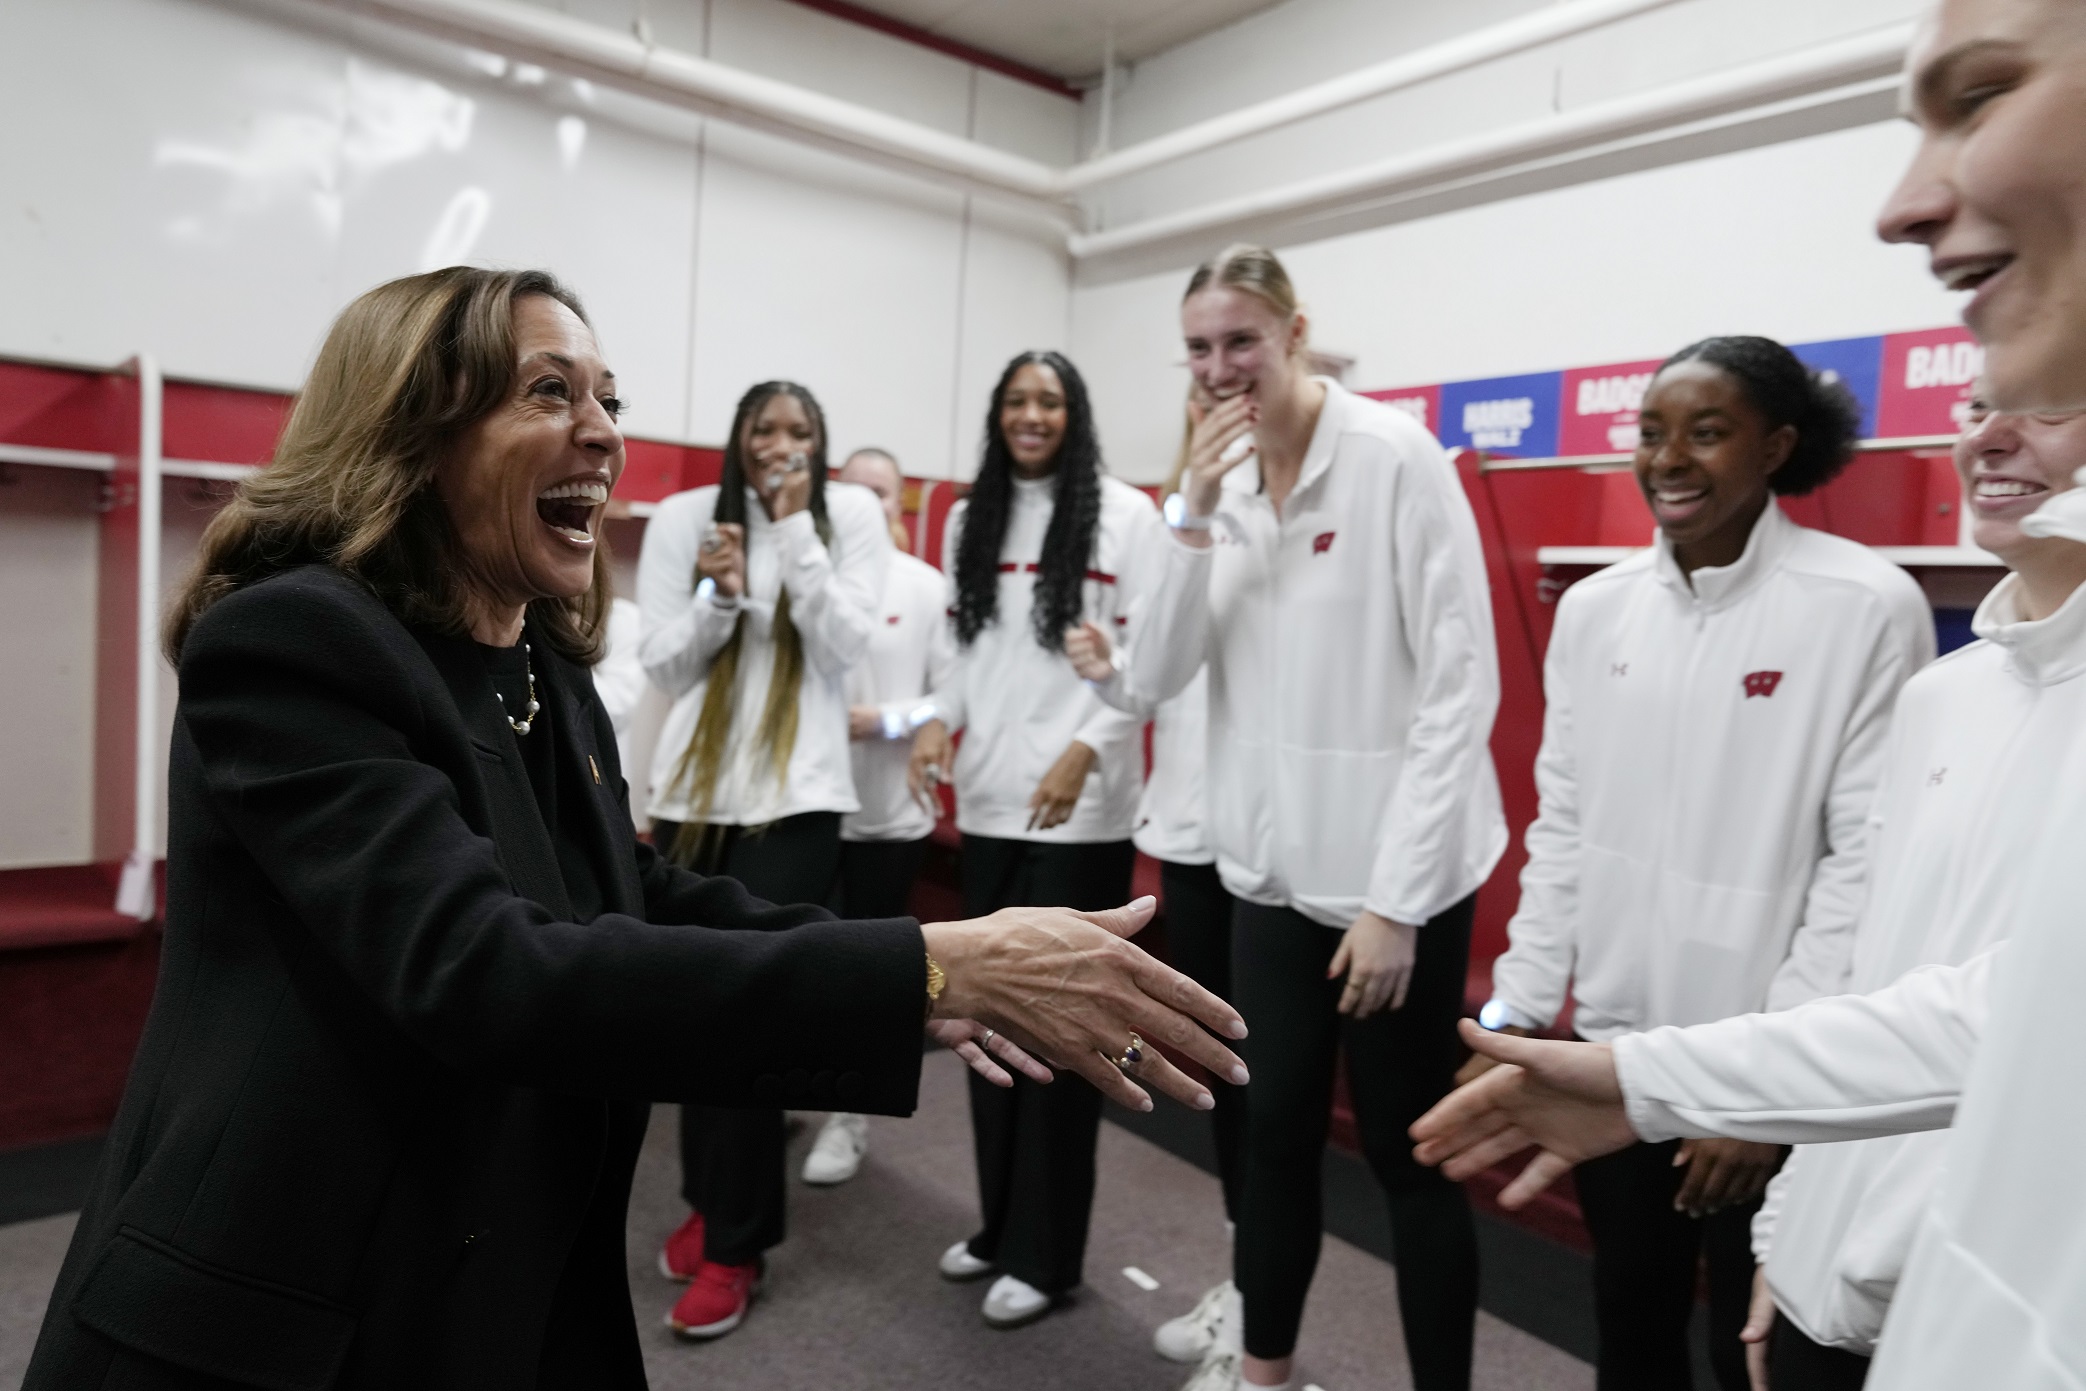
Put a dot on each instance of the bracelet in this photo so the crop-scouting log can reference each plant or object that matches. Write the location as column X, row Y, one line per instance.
column 937, row 981
column 1180, row 518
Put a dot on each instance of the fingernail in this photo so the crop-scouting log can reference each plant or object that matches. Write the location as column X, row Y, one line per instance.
column 1205, row 1102
column 1239, row 1076
column 1236, row 1029
column 1145, row 902
column 1144, row 1104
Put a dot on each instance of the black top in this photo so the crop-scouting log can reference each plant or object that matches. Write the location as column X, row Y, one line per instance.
column 509, row 668
column 380, row 1128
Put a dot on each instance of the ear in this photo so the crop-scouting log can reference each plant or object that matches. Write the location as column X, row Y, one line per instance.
column 1299, row 332
column 1780, row 445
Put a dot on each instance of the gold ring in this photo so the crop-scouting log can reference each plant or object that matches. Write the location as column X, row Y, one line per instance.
column 1131, row 1056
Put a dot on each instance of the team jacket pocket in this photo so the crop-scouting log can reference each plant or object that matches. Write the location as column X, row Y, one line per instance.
column 155, row 1299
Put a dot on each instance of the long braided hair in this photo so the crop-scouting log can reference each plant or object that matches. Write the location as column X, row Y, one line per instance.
column 1074, row 519
column 703, row 759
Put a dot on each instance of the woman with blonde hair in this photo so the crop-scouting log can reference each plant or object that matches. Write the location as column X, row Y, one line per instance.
column 757, row 596
column 420, row 980
column 1347, row 632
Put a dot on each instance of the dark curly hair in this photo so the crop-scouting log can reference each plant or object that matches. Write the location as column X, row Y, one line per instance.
column 1075, row 516
column 1824, row 413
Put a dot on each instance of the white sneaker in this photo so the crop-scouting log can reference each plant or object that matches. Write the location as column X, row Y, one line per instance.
column 1010, row 1303
column 959, row 1264
column 1216, row 1318
column 838, row 1151
column 1219, row 1372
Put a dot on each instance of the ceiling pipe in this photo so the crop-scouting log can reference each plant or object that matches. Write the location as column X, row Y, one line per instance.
column 1866, row 58
column 613, row 58
column 1407, row 70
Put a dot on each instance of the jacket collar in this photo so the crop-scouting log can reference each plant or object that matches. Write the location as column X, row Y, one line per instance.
column 1318, row 455
column 2043, row 651
column 1714, row 586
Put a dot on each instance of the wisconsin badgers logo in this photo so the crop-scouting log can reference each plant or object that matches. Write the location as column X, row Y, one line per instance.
column 1322, row 543
column 892, row 620
column 1762, row 683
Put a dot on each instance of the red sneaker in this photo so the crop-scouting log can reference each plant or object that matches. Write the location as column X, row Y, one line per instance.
column 682, row 1255
column 715, row 1301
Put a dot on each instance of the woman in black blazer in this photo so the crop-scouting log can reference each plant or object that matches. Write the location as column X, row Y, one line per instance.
column 420, row 983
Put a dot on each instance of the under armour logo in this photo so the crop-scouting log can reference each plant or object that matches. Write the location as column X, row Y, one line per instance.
column 1322, row 543
column 1762, row 683
column 1619, row 669
column 1934, row 778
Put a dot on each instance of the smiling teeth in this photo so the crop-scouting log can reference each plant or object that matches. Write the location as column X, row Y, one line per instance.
column 2006, row 487
column 584, row 491
column 1970, row 274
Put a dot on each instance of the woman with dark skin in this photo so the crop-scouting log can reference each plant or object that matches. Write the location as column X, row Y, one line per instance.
column 1047, row 781
column 1713, row 737
column 419, row 978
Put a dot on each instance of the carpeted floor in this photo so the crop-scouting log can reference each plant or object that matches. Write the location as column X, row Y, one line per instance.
column 854, row 1302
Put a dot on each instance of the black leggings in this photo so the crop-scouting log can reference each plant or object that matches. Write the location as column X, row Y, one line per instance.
column 1795, row 1363
column 876, row 877
column 1399, row 1063
column 1198, row 944
column 1645, row 1256
column 1035, row 1144
column 732, row 1158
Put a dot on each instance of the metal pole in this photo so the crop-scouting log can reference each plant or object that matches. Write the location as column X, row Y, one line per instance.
column 137, row 894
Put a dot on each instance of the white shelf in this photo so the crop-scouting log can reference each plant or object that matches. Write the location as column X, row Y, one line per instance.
column 1966, row 557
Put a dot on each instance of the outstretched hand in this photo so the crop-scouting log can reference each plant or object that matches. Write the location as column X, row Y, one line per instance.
column 977, row 1046
column 1069, row 989
column 1562, row 1098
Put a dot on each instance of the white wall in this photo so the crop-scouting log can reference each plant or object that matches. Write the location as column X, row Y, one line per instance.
column 1775, row 240
column 217, row 180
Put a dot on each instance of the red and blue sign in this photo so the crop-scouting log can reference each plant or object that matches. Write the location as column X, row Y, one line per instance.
column 1600, row 407
column 1927, row 379
column 1422, row 403
column 1855, row 363
column 1513, row 417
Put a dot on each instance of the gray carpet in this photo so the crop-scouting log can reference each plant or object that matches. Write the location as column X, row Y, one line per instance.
column 854, row 1303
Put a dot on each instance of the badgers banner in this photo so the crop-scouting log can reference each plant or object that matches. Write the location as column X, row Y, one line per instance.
column 1422, row 403
column 1926, row 382
column 1599, row 407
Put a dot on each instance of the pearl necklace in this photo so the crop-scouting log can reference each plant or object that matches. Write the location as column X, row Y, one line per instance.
column 528, row 719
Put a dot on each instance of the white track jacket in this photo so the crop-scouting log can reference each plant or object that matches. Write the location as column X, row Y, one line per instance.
column 1710, row 755
column 1172, row 824
column 910, row 653
column 1352, row 675
column 1972, row 739
column 833, row 597
column 1019, row 706
column 1992, row 1292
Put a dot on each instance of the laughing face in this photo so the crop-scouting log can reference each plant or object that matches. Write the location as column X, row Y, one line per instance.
column 527, row 485
column 2011, row 465
column 1238, row 345
column 1034, row 417
column 1997, row 190
column 1704, row 457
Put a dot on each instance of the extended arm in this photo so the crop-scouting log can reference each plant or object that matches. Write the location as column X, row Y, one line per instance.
column 680, row 634
column 833, row 593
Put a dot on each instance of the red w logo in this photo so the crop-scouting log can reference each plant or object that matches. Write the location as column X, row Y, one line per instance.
column 1322, row 543
column 1762, row 683
column 892, row 620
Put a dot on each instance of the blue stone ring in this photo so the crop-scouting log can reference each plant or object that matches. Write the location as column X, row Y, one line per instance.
column 1132, row 1056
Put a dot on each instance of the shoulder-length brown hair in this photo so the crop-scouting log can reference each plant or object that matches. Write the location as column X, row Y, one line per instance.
column 404, row 372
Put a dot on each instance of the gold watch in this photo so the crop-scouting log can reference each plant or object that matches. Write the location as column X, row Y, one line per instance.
column 937, row 980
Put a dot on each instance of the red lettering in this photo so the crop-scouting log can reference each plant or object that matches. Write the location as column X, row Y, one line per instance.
column 1762, row 683
column 1322, row 543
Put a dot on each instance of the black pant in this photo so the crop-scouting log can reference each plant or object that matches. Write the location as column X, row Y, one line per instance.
column 1644, row 1261
column 1399, row 1063
column 1795, row 1363
column 1198, row 943
column 876, row 877
column 732, row 1159
column 1035, row 1144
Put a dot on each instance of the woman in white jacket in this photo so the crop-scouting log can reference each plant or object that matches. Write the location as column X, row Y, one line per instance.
column 1325, row 564
column 1972, row 733
column 756, row 597
column 1992, row 1289
column 1716, row 712
column 1046, row 780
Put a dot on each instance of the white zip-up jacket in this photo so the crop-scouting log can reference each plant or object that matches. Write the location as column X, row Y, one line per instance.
column 1352, row 675
column 1997, row 1276
column 910, row 653
column 1172, row 824
column 1970, row 747
column 833, row 597
column 1710, row 754
column 1020, row 706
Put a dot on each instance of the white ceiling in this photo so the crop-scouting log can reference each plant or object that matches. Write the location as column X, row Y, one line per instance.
column 1067, row 37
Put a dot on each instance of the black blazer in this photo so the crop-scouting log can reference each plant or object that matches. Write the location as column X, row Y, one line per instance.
column 381, row 1126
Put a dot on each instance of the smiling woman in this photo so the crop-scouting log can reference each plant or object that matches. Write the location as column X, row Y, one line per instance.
column 419, row 979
